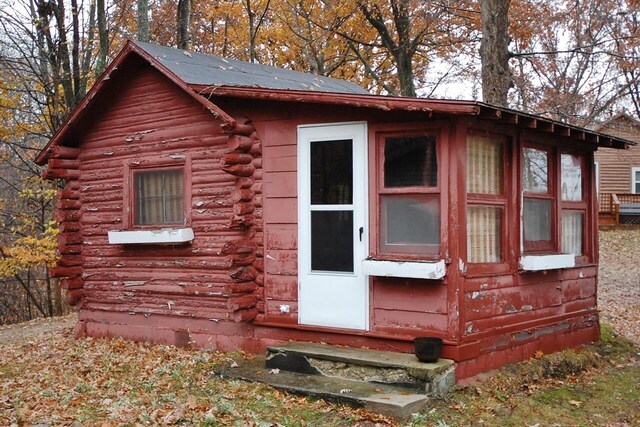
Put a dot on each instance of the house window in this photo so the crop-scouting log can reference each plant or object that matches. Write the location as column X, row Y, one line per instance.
column 158, row 197
column 635, row 180
column 538, row 199
column 409, row 196
column 486, row 200
column 573, row 205
column 553, row 217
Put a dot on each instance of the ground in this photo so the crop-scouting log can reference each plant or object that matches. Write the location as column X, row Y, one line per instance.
column 619, row 281
column 48, row 377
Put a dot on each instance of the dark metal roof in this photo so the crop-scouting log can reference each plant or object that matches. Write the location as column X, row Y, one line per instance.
column 200, row 69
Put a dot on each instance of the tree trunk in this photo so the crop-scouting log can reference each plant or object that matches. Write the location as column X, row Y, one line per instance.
column 404, row 49
column 143, row 20
column 103, row 38
column 78, row 92
column 56, row 292
column 64, row 57
column 494, row 52
column 184, row 24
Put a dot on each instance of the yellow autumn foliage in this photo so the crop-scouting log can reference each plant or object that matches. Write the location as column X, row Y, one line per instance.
column 31, row 244
column 29, row 251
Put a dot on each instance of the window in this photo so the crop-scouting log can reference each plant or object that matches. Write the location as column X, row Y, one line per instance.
column 538, row 199
column 158, row 197
column 486, row 199
column 635, row 180
column 572, row 204
column 554, row 210
column 409, row 196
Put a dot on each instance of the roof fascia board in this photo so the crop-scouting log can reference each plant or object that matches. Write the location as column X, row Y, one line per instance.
column 431, row 106
column 384, row 103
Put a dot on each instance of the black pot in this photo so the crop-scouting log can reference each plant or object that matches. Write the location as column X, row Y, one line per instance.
column 428, row 349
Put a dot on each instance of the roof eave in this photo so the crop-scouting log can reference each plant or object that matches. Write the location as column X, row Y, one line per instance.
column 544, row 124
column 429, row 106
column 385, row 103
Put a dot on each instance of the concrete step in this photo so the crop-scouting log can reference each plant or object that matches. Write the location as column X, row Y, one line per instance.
column 384, row 399
column 398, row 370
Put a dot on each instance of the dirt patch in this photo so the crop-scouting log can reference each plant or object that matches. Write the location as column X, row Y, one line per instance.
column 12, row 333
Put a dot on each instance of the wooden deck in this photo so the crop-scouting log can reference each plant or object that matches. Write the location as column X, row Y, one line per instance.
column 618, row 209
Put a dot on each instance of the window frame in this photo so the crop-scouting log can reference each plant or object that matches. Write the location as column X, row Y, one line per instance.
column 154, row 164
column 552, row 194
column 379, row 191
column 490, row 200
column 634, row 169
column 558, row 205
column 581, row 206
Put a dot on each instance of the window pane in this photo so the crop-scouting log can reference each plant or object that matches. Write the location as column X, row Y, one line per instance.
column 572, row 232
column 410, row 162
column 410, row 224
column 571, row 178
column 332, row 241
column 159, row 197
column 484, row 166
column 535, row 171
column 331, row 172
column 484, row 234
column 537, row 220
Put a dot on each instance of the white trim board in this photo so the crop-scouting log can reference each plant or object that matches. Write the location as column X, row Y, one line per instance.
column 547, row 262
column 411, row 270
column 159, row 236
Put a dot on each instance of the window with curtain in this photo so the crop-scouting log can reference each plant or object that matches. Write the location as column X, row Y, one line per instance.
column 486, row 200
column 409, row 197
column 573, row 204
column 158, row 197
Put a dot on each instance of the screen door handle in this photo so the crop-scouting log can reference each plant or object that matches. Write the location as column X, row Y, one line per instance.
column 361, row 231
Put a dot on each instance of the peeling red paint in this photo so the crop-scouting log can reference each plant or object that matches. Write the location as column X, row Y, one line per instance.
column 235, row 285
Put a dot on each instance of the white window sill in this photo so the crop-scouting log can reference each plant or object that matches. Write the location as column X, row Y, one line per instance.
column 411, row 270
column 159, row 236
column 547, row 262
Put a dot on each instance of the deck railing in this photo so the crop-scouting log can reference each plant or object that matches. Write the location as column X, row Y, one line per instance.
column 619, row 208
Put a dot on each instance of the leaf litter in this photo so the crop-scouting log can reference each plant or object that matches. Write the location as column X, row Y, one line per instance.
column 48, row 377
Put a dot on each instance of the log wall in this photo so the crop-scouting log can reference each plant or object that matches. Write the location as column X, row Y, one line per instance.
column 204, row 284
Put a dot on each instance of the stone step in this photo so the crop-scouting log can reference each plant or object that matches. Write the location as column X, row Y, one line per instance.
column 384, row 399
column 372, row 366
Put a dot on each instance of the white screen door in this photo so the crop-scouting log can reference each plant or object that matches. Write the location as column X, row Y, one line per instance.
column 332, row 226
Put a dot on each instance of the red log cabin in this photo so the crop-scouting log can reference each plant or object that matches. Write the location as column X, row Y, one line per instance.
column 235, row 205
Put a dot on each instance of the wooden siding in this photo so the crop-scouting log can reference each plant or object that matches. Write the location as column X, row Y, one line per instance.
column 615, row 165
column 213, row 279
column 483, row 317
column 242, row 265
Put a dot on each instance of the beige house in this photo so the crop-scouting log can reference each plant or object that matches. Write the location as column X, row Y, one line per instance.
column 618, row 172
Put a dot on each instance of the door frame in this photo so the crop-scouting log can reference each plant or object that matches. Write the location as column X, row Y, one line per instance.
column 327, row 132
